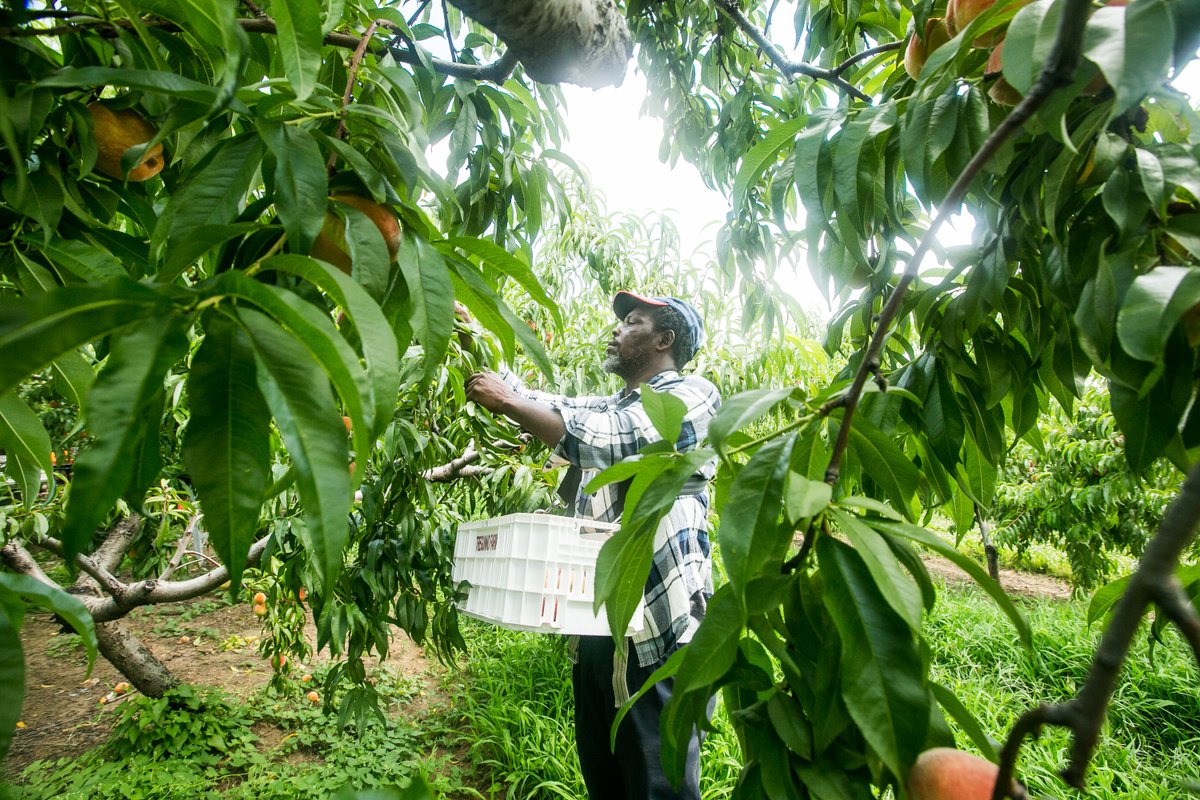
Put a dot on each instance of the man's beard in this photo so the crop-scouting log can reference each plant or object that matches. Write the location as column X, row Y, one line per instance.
column 624, row 366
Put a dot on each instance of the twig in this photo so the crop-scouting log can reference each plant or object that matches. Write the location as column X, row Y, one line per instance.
column 107, row 581
column 348, row 95
column 1153, row 581
column 420, row 10
column 865, row 54
column 782, row 62
column 202, row 556
column 496, row 72
column 253, row 8
column 1058, row 71
column 446, row 30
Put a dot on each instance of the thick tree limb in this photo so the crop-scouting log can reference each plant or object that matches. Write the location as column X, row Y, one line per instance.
column 21, row 561
column 1153, row 582
column 461, row 467
column 584, row 42
column 782, row 62
column 120, row 598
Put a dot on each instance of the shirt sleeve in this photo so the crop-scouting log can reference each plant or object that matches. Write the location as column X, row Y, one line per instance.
column 599, row 438
column 556, row 401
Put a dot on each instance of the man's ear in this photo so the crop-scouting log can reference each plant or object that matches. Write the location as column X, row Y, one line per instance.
column 666, row 339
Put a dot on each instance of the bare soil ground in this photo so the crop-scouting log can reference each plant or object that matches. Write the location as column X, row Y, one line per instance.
column 63, row 714
column 67, row 712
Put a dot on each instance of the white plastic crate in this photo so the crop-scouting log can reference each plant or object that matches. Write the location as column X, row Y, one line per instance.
column 534, row 572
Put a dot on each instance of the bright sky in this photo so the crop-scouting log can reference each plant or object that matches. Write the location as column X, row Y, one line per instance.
column 619, row 147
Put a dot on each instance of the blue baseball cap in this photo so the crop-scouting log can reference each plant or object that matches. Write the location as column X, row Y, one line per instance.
column 624, row 302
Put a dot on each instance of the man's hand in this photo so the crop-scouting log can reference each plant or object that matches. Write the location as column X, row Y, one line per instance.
column 541, row 419
column 490, row 391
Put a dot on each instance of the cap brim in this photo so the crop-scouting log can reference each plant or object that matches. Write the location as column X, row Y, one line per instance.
column 624, row 302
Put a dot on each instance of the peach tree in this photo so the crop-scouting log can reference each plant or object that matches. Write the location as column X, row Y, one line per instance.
column 1086, row 197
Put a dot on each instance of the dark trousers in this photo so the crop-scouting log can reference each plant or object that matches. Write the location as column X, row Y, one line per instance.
column 634, row 771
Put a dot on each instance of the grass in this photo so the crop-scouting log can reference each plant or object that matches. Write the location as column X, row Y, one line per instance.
column 508, row 723
column 1149, row 746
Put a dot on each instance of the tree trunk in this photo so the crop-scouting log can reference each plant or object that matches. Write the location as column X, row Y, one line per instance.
column 584, row 42
column 989, row 549
column 131, row 658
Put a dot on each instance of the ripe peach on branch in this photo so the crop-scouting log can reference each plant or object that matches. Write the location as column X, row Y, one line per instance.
column 117, row 131
column 919, row 48
column 943, row 773
column 330, row 244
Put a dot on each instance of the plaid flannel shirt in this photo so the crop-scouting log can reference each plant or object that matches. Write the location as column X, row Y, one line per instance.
column 602, row 431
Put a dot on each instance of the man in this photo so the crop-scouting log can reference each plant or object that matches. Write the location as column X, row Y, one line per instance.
column 655, row 338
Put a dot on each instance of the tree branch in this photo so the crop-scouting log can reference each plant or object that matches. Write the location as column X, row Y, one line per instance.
column 103, row 578
column 21, row 561
column 865, row 54
column 153, row 591
column 348, row 95
column 496, row 72
column 458, row 468
column 782, row 62
column 1058, row 71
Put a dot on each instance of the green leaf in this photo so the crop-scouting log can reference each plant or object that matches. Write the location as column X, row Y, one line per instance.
column 214, row 192
column 417, row 789
column 190, row 245
column 495, row 256
column 301, row 182
column 12, row 677
column 315, row 332
column 227, row 444
column 788, row 719
column 298, row 394
column 742, row 409
column 966, row 720
column 154, row 82
column 621, row 570
column 381, row 352
column 431, row 296
column 298, row 27
column 883, row 675
column 805, row 497
column 967, row 564
column 55, row 599
column 666, row 412
column 85, row 261
column 27, row 445
column 39, row 197
column 36, row 330
column 943, row 418
column 1149, row 423
column 371, row 263
column 756, row 161
column 131, row 380
column 1107, row 596
column 625, row 559
column 900, row 593
column 1153, row 306
column 73, row 377
column 885, row 463
column 1126, row 43
column 752, row 540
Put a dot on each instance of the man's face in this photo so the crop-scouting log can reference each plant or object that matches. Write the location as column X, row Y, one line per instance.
column 632, row 344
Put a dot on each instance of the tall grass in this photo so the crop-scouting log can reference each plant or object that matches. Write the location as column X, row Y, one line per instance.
column 1150, row 745
column 513, row 704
